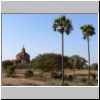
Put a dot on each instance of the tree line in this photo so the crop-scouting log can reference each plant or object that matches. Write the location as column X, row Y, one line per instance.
column 51, row 61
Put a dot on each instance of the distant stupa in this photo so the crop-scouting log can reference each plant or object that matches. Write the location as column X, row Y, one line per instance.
column 22, row 56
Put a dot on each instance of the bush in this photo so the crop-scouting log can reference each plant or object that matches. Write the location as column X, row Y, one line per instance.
column 65, row 84
column 94, row 66
column 55, row 74
column 84, row 80
column 65, row 77
column 70, row 78
column 93, row 76
column 90, row 84
column 11, row 71
column 6, row 64
column 28, row 73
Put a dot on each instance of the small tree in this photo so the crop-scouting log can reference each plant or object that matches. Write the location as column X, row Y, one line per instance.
column 11, row 71
column 7, row 63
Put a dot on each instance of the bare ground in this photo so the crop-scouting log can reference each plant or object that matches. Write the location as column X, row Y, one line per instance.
column 44, row 79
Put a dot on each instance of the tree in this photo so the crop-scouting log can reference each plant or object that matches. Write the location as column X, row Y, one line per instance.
column 49, row 62
column 7, row 63
column 73, row 61
column 88, row 30
column 11, row 71
column 77, row 62
column 62, row 25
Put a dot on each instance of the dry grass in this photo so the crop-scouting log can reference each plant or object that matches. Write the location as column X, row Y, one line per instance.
column 44, row 79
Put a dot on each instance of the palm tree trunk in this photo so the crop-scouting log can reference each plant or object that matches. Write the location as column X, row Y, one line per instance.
column 88, row 58
column 62, row 58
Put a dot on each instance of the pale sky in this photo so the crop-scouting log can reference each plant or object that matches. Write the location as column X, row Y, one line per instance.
column 35, row 32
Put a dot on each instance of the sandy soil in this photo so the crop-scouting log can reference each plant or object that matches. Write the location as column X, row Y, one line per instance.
column 41, row 79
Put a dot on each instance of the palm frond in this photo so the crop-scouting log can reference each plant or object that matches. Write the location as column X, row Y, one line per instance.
column 62, row 24
column 88, row 30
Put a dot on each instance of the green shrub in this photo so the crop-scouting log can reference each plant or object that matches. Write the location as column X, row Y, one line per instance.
column 94, row 66
column 65, row 77
column 6, row 64
column 70, row 78
column 11, row 71
column 93, row 76
column 28, row 73
column 96, row 81
column 90, row 84
column 65, row 84
column 83, row 80
column 55, row 74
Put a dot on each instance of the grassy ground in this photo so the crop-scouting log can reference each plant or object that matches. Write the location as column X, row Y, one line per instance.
column 44, row 79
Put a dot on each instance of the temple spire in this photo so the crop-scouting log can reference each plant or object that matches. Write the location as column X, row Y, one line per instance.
column 23, row 49
column 23, row 45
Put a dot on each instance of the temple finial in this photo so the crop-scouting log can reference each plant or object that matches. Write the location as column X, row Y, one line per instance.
column 23, row 45
column 23, row 49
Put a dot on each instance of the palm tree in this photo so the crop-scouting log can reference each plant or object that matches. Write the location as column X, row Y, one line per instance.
column 88, row 30
column 62, row 25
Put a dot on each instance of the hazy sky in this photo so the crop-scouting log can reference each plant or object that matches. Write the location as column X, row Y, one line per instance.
column 35, row 32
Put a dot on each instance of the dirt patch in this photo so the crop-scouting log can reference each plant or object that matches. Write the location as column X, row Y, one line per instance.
column 44, row 79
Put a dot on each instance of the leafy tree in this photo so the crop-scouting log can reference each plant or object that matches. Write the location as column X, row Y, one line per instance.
column 7, row 63
column 11, row 71
column 62, row 25
column 49, row 62
column 77, row 61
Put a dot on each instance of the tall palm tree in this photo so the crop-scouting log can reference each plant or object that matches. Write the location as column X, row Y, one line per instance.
column 62, row 25
column 88, row 30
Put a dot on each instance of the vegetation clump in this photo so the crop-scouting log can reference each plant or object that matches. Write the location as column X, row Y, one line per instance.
column 93, row 76
column 84, row 80
column 28, row 73
column 55, row 74
column 6, row 64
column 11, row 71
column 70, row 78
column 65, row 84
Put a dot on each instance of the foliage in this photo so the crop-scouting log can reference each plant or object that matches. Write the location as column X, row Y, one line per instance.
column 94, row 66
column 90, row 83
column 62, row 24
column 93, row 76
column 11, row 71
column 6, row 63
column 70, row 78
column 65, row 77
column 55, row 74
column 83, row 79
column 77, row 62
column 49, row 62
column 88, row 30
column 65, row 84
column 28, row 73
